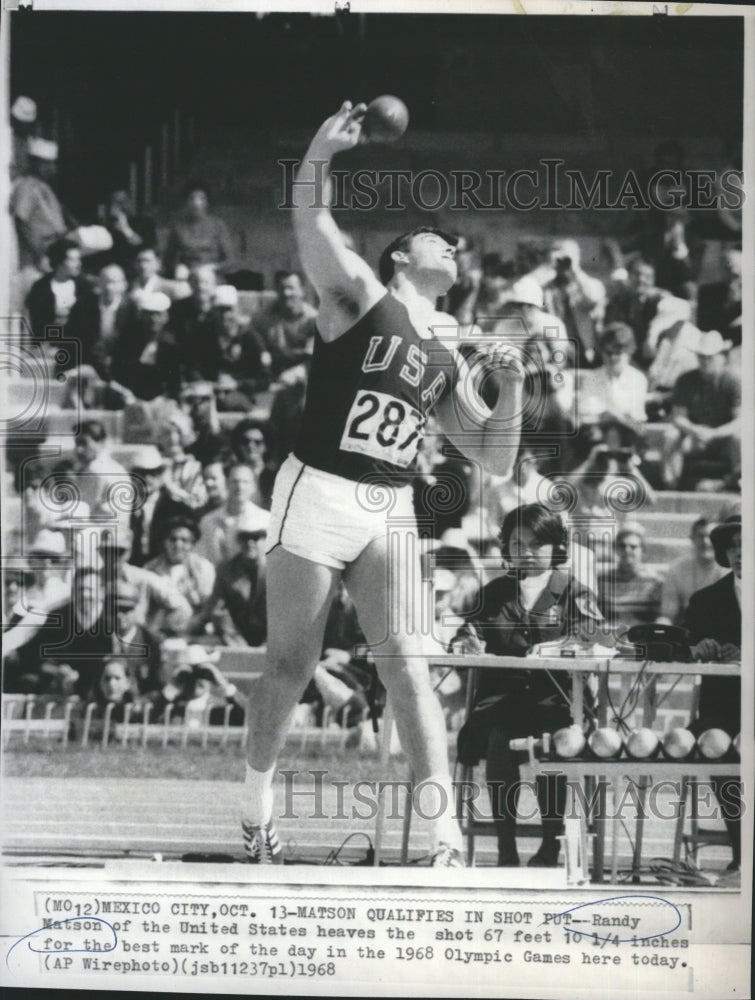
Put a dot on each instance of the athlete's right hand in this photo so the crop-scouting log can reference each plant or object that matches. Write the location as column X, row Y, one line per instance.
column 340, row 131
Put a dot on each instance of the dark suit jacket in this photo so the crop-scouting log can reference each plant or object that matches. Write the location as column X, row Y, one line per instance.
column 714, row 613
column 84, row 324
column 165, row 508
column 41, row 302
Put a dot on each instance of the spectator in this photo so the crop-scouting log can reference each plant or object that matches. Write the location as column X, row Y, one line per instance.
column 213, row 475
column 183, row 472
column 132, row 639
column 714, row 620
column 614, row 393
column 229, row 347
column 249, row 444
column 705, row 408
column 39, row 216
column 129, row 232
column 630, row 592
column 153, row 592
column 675, row 355
column 719, row 305
column 287, row 327
column 148, row 362
column 689, row 573
column 191, row 575
column 49, row 559
column 98, row 322
column 193, row 317
column 155, row 506
column 229, row 398
column 673, row 266
column 43, row 506
column 240, row 580
column 117, row 687
column 94, row 473
column 197, row 237
column 147, row 277
column 635, row 303
column 53, row 296
column 202, row 693
column 576, row 298
column 211, row 442
column 536, row 601
column 219, row 529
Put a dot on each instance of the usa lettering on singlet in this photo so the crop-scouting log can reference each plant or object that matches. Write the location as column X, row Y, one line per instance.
column 369, row 395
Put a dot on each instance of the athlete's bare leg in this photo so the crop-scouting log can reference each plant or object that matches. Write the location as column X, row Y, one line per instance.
column 299, row 596
column 383, row 583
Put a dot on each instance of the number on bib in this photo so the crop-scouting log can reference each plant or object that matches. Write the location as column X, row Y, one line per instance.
column 383, row 427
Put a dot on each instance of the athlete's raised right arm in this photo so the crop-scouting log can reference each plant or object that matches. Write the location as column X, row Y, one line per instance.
column 345, row 284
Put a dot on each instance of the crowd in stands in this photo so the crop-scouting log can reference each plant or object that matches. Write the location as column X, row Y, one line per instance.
column 153, row 536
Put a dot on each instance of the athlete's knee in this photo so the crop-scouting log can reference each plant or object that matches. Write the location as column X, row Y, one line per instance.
column 404, row 671
column 290, row 665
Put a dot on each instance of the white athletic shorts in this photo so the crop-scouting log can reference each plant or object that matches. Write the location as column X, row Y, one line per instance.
column 331, row 520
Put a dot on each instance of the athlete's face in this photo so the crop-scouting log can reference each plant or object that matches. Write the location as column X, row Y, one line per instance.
column 429, row 252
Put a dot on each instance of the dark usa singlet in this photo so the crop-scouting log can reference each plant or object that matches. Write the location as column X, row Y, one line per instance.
column 369, row 394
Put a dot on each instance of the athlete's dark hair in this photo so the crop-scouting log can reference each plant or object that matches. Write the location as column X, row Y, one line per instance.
column 386, row 266
column 545, row 525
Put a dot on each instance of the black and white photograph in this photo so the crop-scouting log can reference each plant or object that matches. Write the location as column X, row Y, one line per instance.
column 376, row 479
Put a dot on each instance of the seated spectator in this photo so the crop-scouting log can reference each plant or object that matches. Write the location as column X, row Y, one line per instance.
column 197, row 236
column 635, row 304
column 156, row 504
column 193, row 317
column 153, row 592
column 98, row 322
column 211, row 442
column 213, row 476
column 133, row 640
column 630, row 592
column 191, row 575
column 129, row 232
column 689, row 573
column 576, row 298
column 536, row 601
column 117, row 687
column 229, row 397
column 614, row 393
column 219, row 530
column 674, row 356
column 200, row 693
column 39, row 216
column 287, row 327
column 147, row 277
column 148, row 360
column 705, row 408
column 229, row 346
column 673, row 264
column 54, row 295
column 719, row 305
column 93, row 471
column 249, row 444
column 240, row 581
column 183, row 472
column 714, row 620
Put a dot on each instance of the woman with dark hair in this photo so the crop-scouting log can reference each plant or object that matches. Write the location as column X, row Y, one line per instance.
column 197, row 236
column 249, row 443
column 536, row 601
column 191, row 574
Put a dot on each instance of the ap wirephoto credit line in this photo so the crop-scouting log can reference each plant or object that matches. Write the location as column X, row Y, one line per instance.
column 377, row 499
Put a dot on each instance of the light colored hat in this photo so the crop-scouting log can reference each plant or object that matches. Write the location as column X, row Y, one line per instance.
column 253, row 521
column 712, row 343
column 195, row 655
column 154, row 302
column 526, row 290
column 24, row 109
column 147, row 459
column 49, row 542
column 43, row 149
column 226, row 297
column 93, row 239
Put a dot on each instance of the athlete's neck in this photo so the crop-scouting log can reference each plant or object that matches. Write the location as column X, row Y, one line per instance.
column 412, row 294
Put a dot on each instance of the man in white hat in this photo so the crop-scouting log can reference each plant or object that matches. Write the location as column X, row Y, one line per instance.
column 219, row 529
column 147, row 361
column 705, row 415
column 229, row 347
column 39, row 216
column 240, row 581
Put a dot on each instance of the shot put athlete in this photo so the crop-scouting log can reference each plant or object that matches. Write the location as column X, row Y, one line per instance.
column 377, row 371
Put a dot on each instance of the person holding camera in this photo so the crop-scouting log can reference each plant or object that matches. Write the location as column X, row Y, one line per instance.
column 576, row 298
column 537, row 600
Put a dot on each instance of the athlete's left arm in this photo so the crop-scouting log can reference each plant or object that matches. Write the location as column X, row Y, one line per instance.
column 485, row 435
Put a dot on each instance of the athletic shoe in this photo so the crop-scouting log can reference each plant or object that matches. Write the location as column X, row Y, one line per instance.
column 546, row 856
column 447, row 857
column 261, row 844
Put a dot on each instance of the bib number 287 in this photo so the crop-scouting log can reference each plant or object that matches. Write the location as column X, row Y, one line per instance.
column 383, row 427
